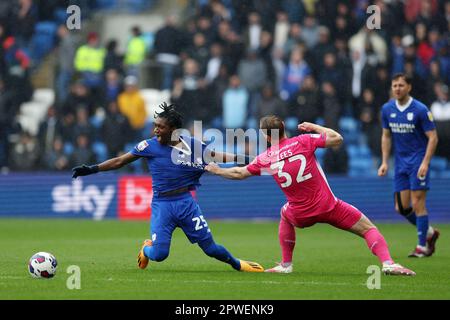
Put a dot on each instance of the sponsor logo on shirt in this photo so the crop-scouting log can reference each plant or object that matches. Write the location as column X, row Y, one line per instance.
column 142, row 145
column 402, row 127
column 409, row 116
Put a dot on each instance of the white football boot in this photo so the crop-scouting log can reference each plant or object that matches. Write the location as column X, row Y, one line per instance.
column 280, row 268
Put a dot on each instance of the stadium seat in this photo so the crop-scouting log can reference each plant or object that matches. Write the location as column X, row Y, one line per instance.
column 60, row 16
column 97, row 121
column 352, row 150
column 46, row 27
column 105, row 4
column 291, row 123
column 100, row 151
column 138, row 5
column 364, row 150
column 68, row 148
column 149, row 39
column 153, row 98
column 438, row 164
column 348, row 124
column 320, row 121
column 43, row 40
column 445, row 174
column 34, row 111
column 361, row 166
column 320, row 153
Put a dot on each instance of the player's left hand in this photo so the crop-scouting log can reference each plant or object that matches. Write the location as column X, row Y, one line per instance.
column 84, row 170
column 212, row 167
column 422, row 172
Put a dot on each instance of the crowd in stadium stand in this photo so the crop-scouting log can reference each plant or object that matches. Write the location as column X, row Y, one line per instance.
column 227, row 63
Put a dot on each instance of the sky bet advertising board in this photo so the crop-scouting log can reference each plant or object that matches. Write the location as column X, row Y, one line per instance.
column 108, row 195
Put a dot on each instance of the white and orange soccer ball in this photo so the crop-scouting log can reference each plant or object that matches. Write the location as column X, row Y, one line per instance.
column 42, row 265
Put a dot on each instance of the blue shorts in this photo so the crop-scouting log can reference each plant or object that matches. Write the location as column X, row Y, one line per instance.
column 178, row 211
column 406, row 179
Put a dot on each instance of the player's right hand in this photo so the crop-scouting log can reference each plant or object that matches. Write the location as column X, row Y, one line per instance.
column 84, row 170
column 212, row 167
column 306, row 126
column 382, row 170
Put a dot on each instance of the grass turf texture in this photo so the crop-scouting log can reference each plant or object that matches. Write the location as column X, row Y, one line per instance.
column 328, row 263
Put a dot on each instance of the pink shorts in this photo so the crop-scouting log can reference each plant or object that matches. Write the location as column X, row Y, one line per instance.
column 343, row 216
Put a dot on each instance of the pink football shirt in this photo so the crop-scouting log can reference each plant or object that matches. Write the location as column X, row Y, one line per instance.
column 296, row 170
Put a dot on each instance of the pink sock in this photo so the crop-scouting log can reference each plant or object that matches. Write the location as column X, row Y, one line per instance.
column 376, row 243
column 286, row 235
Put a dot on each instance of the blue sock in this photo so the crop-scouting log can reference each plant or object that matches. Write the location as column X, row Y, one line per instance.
column 220, row 253
column 412, row 218
column 422, row 228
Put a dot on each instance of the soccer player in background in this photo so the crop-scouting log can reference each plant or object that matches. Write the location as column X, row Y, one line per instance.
column 176, row 163
column 409, row 123
column 293, row 165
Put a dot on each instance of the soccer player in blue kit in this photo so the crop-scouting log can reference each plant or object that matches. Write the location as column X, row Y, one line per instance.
column 176, row 164
column 409, row 124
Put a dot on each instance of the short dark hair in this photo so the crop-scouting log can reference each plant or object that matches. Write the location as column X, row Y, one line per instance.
column 172, row 116
column 405, row 77
column 272, row 122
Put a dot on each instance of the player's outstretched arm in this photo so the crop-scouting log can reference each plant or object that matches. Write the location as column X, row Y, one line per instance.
column 235, row 173
column 334, row 139
column 110, row 164
column 223, row 157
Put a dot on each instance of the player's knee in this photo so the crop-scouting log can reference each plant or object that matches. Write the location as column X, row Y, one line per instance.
column 159, row 254
column 418, row 204
column 405, row 212
column 418, row 207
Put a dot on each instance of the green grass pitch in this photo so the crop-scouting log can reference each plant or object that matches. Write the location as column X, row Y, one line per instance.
column 328, row 263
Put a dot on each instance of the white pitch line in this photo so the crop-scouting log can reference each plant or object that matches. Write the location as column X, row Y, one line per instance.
column 238, row 282
column 11, row 277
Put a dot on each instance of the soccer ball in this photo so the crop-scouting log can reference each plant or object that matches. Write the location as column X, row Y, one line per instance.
column 42, row 265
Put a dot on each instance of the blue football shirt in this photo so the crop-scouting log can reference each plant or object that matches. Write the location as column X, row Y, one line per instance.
column 408, row 126
column 171, row 167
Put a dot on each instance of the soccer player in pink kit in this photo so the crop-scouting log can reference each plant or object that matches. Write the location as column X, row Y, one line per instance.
column 292, row 163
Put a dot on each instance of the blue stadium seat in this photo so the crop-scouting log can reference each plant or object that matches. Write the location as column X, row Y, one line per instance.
column 139, row 5
column 361, row 166
column 348, row 124
column 68, row 148
column 364, row 150
column 349, row 129
column 252, row 123
column 438, row 164
column 100, row 151
column 43, row 40
column 46, row 27
column 320, row 154
column 105, row 4
column 60, row 16
column 352, row 150
column 291, row 123
column 445, row 174
column 149, row 38
column 96, row 121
